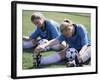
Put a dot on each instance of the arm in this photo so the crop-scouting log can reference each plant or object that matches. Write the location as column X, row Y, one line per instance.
column 35, row 34
column 50, row 43
column 83, row 35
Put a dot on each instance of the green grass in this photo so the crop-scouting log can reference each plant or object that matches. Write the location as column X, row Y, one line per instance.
column 28, row 28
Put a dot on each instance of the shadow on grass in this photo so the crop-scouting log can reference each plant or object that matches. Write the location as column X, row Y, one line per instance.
column 31, row 50
column 60, row 64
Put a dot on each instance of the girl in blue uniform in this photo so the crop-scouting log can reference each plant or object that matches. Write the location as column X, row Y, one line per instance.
column 45, row 29
column 76, row 36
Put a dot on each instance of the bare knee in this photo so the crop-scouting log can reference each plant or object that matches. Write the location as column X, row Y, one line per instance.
column 86, row 55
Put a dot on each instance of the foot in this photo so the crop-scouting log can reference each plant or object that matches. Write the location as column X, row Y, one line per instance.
column 71, row 63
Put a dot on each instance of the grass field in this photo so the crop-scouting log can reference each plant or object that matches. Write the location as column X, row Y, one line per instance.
column 28, row 28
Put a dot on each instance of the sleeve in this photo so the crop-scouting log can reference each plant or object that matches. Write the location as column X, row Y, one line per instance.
column 55, row 32
column 61, row 38
column 83, row 35
column 35, row 34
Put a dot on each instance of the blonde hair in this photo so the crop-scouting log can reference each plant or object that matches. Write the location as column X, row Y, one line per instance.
column 66, row 23
column 37, row 15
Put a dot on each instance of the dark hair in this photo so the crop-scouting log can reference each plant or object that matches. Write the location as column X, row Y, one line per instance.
column 37, row 15
column 68, row 21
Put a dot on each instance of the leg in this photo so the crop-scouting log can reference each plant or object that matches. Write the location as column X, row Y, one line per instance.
column 29, row 43
column 50, row 59
column 84, row 56
column 53, row 58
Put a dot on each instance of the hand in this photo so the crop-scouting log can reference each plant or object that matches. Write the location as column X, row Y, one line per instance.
column 39, row 49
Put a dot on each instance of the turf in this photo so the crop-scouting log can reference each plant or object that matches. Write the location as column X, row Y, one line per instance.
column 28, row 28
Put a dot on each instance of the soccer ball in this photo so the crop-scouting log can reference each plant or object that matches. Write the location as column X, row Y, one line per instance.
column 42, row 41
column 71, row 53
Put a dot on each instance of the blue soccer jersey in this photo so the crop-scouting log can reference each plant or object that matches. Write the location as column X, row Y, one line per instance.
column 51, row 31
column 79, row 39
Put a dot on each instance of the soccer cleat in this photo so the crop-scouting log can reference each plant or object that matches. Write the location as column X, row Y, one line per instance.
column 71, row 63
column 78, row 64
column 36, row 60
